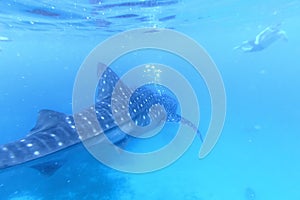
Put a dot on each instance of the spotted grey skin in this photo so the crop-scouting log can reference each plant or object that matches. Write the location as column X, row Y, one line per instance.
column 143, row 98
column 56, row 131
column 146, row 96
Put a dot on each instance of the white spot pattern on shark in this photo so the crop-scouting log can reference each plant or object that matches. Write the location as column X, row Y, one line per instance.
column 55, row 131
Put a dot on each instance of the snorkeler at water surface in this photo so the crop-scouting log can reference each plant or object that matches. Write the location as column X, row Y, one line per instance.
column 263, row 39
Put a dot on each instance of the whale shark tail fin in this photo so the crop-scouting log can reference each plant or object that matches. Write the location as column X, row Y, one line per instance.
column 188, row 123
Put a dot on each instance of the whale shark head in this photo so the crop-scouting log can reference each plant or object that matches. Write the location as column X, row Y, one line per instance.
column 55, row 131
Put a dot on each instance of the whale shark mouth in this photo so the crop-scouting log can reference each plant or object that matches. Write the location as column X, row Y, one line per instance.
column 55, row 131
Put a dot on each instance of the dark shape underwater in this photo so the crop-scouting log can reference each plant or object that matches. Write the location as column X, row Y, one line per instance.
column 55, row 131
column 48, row 168
column 264, row 39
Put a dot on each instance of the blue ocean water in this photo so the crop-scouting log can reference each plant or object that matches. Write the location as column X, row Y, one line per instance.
column 43, row 44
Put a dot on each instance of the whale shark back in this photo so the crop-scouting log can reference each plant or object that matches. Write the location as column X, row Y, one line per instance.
column 55, row 131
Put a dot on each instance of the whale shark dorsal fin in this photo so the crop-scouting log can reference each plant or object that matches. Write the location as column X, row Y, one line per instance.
column 107, row 81
column 47, row 119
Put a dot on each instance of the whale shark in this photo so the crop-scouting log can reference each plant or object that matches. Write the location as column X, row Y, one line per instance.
column 55, row 131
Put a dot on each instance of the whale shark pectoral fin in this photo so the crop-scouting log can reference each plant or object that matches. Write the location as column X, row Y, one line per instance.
column 101, row 67
column 107, row 83
column 47, row 119
column 48, row 168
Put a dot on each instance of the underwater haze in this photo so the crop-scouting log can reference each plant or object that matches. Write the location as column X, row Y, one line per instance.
column 254, row 44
